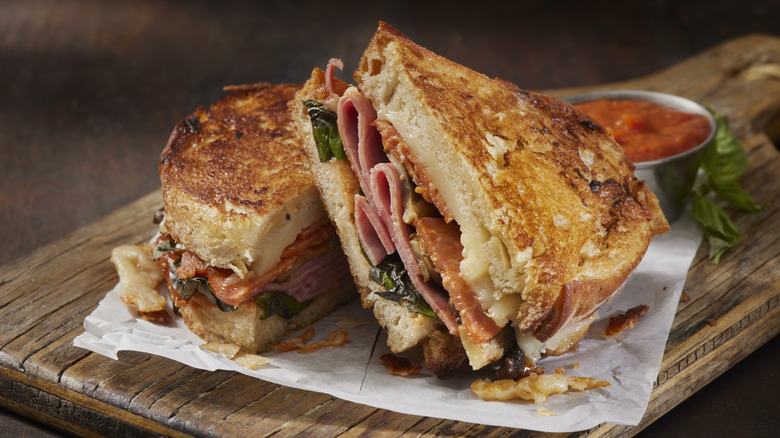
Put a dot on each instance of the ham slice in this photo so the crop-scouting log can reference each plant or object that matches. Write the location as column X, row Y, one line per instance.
column 376, row 240
column 317, row 275
column 333, row 64
column 332, row 100
column 386, row 186
column 360, row 138
column 379, row 215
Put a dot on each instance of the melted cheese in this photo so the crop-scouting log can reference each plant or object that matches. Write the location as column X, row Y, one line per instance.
column 563, row 341
column 482, row 252
column 138, row 276
column 481, row 354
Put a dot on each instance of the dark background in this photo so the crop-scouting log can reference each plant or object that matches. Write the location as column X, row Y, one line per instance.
column 90, row 90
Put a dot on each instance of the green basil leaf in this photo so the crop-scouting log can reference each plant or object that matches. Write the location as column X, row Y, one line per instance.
column 334, row 142
column 326, row 131
column 723, row 164
column 731, row 160
column 719, row 230
column 187, row 287
column 163, row 247
column 392, row 275
column 279, row 303
column 733, row 193
column 725, row 167
column 717, row 248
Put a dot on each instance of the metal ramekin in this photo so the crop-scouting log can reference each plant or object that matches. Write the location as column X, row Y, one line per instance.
column 671, row 178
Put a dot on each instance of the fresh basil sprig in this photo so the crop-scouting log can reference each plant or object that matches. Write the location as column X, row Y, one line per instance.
column 326, row 131
column 723, row 164
column 392, row 274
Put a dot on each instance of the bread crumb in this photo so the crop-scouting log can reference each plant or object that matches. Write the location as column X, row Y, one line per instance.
column 296, row 342
column 348, row 322
column 335, row 339
column 618, row 323
column 139, row 277
column 251, row 361
column 536, row 388
column 235, row 353
column 544, row 412
column 227, row 350
column 399, row 366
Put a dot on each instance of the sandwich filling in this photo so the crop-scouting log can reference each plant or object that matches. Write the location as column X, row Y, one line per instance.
column 400, row 213
column 308, row 267
column 511, row 215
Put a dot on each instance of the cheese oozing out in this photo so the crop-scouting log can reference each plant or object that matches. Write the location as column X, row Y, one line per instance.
column 482, row 251
column 562, row 341
column 138, row 277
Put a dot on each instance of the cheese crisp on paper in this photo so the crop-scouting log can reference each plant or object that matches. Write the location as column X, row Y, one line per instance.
column 629, row 362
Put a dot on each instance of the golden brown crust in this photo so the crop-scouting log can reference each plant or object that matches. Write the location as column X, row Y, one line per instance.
column 233, row 152
column 235, row 181
column 237, row 191
column 550, row 187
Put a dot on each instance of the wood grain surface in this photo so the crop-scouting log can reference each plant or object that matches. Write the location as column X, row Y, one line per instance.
column 90, row 90
column 733, row 307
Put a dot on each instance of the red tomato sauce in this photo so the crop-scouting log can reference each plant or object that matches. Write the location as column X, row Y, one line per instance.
column 648, row 131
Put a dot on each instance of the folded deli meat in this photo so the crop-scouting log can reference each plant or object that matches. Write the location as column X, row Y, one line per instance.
column 481, row 221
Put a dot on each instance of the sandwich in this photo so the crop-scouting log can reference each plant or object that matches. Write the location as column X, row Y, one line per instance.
column 245, row 246
column 482, row 222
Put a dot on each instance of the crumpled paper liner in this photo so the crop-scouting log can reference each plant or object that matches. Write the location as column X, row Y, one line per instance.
column 353, row 372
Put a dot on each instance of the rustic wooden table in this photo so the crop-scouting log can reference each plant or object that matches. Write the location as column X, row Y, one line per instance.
column 89, row 92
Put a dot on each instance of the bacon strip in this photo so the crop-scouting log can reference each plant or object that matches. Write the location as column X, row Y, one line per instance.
column 386, row 186
column 309, row 252
column 441, row 242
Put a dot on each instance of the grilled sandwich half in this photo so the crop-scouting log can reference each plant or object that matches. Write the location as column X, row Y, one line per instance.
column 480, row 220
column 245, row 245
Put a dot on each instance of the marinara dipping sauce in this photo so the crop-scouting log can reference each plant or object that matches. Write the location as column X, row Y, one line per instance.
column 648, row 131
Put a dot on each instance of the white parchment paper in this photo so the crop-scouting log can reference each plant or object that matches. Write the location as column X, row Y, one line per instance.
column 630, row 361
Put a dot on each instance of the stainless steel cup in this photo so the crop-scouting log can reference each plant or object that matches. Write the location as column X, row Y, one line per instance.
column 671, row 178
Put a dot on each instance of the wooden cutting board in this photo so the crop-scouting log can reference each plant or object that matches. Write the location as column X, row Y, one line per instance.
column 44, row 297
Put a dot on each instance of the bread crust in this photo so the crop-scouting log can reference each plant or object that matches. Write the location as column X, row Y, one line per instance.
column 549, row 206
column 235, row 182
column 237, row 190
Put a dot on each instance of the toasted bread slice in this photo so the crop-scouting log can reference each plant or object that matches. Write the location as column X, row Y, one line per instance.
column 552, row 218
column 235, row 181
column 248, row 326
column 338, row 186
column 239, row 195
